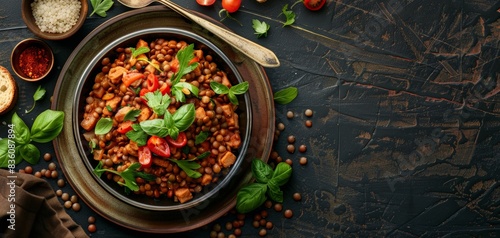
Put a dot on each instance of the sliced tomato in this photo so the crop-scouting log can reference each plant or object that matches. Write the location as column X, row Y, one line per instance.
column 194, row 60
column 314, row 5
column 180, row 142
column 145, row 158
column 125, row 127
column 129, row 78
column 159, row 146
column 152, row 82
column 205, row 2
column 142, row 93
column 165, row 89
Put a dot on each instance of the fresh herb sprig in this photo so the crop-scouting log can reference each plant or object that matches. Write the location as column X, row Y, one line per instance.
column 129, row 175
column 45, row 128
column 158, row 102
column 143, row 50
column 100, row 7
column 260, row 27
column 171, row 125
column 267, row 184
column 189, row 167
column 289, row 14
column 185, row 56
column 38, row 95
column 237, row 89
column 286, row 95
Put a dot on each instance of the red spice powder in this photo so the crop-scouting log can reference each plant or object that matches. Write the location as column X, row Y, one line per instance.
column 34, row 62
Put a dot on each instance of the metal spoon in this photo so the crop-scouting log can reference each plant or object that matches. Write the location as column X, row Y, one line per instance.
column 260, row 54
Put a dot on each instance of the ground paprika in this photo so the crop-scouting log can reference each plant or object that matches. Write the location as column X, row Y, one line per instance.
column 33, row 62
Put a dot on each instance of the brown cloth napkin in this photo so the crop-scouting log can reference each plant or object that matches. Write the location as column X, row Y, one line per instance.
column 30, row 205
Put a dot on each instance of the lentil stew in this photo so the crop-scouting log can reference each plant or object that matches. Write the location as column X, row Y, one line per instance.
column 187, row 163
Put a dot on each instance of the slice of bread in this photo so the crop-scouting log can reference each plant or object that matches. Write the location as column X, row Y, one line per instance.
column 8, row 91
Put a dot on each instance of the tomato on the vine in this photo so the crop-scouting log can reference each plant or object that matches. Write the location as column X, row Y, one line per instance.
column 205, row 2
column 314, row 5
column 231, row 5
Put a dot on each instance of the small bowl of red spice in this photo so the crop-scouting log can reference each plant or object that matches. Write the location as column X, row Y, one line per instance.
column 32, row 59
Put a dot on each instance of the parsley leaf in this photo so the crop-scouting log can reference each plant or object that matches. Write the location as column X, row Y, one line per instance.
column 159, row 103
column 290, row 15
column 128, row 175
column 100, row 7
column 139, row 51
column 189, row 167
column 260, row 27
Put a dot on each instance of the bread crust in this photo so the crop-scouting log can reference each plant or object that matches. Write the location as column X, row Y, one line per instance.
column 8, row 96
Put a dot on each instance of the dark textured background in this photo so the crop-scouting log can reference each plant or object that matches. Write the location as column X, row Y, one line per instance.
column 405, row 136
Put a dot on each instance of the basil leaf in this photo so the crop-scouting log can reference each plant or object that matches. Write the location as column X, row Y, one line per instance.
column 47, row 126
column 128, row 176
column 286, row 95
column 282, row 173
column 188, row 167
column 103, row 126
column 250, row 197
column 131, row 115
column 154, row 127
column 261, row 171
column 184, row 116
column 30, row 153
column 200, row 137
column 219, row 88
column 232, row 98
column 4, row 153
column 274, row 192
column 21, row 131
column 100, row 7
column 240, row 88
column 137, row 135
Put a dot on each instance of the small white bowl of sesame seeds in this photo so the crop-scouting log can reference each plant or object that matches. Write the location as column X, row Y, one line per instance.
column 54, row 19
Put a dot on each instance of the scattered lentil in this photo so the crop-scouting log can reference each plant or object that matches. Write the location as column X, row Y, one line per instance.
column 92, row 228
column 291, row 139
column 297, row 197
column 59, row 192
column 308, row 123
column 288, row 213
column 229, row 226
column 65, row 196
column 302, row 148
column 76, row 206
column 289, row 161
column 268, row 204
column 52, row 166
column 278, row 207
column 262, row 232
column 38, row 174
column 269, row 225
column 61, row 183
column 303, row 160
column 308, row 113
column 28, row 169
column 68, row 204
column 255, row 224
column 289, row 114
column 281, row 126
column 290, row 148
column 54, row 174
column 237, row 232
column 74, row 199
column 47, row 157
column 91, row 219
column 48, row 173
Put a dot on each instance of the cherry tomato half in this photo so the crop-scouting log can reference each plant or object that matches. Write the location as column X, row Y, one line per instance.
column 145, row 158
column 152, row 82
column 314, row 5
column 142, row 93
column 125, row 127
column 231, row 5
column 205, row 2
column 159, row 146
column 181, row 140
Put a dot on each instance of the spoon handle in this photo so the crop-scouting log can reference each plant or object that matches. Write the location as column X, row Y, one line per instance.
column 258, row 53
